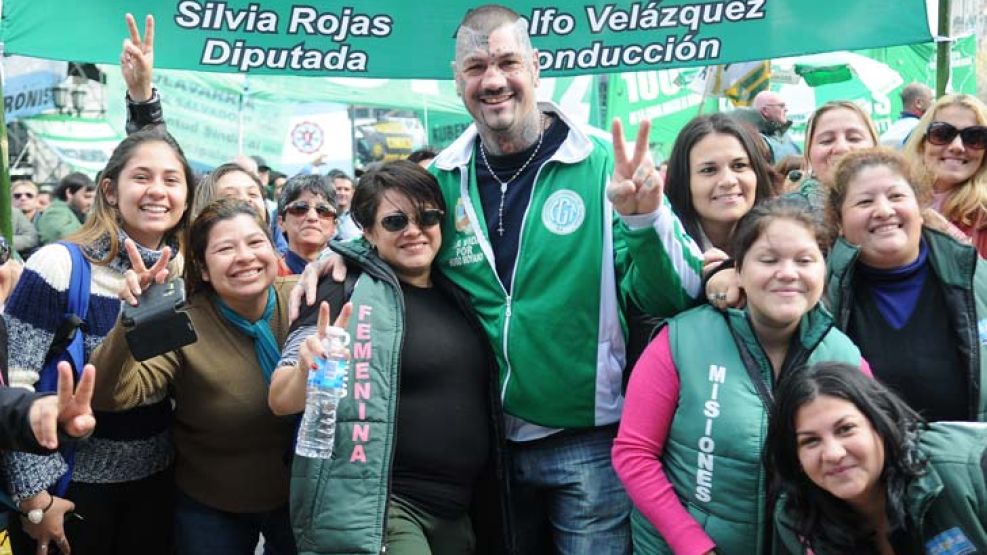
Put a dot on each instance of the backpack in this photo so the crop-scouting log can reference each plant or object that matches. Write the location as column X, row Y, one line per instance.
column 68, row 344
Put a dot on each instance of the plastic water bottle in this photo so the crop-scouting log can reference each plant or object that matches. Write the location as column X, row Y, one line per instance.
column 326, row 386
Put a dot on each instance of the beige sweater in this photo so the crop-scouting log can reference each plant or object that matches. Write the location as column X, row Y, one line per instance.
column 230, row 447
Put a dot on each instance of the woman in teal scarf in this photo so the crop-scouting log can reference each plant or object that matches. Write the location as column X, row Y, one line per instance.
column 230, row 472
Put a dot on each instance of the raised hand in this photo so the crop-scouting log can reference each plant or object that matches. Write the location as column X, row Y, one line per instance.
column 312, row 348
column 137, row 59
column 138, row 277
column 636, row 187
column 69, row 410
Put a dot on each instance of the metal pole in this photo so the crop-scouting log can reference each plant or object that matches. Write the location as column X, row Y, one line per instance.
column 6, row 226
column 944, row 45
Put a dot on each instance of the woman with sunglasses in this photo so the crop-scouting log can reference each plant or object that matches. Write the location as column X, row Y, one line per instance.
column 861, row 473
column 418, row 434
column 913, row 299
column 307, row 216
column 949, row 144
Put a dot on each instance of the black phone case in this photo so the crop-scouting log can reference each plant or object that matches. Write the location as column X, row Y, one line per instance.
column 158, row 325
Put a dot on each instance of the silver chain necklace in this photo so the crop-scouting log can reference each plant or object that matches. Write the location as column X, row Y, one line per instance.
column 504, row 184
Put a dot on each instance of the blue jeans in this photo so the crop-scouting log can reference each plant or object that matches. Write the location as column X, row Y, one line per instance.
column 203, row 530
column 566, row 483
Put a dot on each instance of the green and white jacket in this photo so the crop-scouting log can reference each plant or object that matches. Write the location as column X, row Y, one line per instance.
column 559, row 333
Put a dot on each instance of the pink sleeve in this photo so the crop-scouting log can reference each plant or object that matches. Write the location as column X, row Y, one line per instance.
column 652, row 395
column 865, row 368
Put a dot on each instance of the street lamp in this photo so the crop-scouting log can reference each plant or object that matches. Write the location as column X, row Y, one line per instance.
column 78, row 100
column 60, row 97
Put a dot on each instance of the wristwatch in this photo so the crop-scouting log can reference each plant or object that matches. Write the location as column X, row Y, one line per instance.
column 35, row 516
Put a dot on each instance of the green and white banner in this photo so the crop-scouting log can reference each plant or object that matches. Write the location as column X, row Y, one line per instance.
column 401, row 39
column 83, row 145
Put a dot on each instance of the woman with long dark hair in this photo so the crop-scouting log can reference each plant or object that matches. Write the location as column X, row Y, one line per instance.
column 861, row 473
column 120, row 479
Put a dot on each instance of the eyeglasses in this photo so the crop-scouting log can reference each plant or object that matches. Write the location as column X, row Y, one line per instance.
column 428, row 217
column 301, row 208
column 23, row 195
column 941, row 133
column 783, row 106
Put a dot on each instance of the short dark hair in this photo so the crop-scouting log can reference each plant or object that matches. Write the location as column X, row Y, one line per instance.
column 426, row 153
column 825, row 523
column 789, row 207
column 197, row 241
column 71, row 183
column 678, row 181
column 336, row 173
column 402, row 176
column 275, row 175
column 315, row 184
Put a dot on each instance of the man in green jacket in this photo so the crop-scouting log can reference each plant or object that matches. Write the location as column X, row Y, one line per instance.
column 532, row 236
column 73, row 199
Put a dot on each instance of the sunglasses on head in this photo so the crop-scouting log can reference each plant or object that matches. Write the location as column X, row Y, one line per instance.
column 23, row 195
column 397, row 222
column 301, row 208
column 941, row 133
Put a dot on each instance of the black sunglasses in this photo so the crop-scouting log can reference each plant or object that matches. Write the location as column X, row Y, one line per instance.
column 301, row 208
column 397, row 222
column 941, row 133
column 25, row 195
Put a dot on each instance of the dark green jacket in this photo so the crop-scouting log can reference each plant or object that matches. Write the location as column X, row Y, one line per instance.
column 963, row 276
column 340, row 505
column 947, row 505
column 712, row 455
column 57, row 221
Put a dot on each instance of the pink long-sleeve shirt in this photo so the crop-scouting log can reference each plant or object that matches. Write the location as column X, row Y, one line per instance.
column 649, row 407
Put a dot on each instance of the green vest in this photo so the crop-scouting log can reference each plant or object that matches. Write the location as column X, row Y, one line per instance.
column 338, row 505
column 963, row 276
column 712, row 455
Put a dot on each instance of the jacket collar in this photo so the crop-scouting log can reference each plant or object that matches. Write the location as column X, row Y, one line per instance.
column 575, row 148
column 952, row 261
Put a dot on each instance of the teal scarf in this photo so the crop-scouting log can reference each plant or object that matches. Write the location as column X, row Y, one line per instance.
column 265, row 346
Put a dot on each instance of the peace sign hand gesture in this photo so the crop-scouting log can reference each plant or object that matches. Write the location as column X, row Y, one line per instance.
column 137, row 59
column 636, row 187
column 312, row 348
column 138, row 277
column 70, row 410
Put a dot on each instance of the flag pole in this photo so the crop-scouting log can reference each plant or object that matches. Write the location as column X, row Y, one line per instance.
column 943, row 47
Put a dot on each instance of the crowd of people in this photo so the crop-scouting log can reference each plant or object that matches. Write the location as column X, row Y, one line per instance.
column 557, row 346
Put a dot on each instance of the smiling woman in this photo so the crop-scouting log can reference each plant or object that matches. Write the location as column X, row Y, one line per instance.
column 237, row 487
column 701, row 390
column 860, row 472
column 913, row 299
column 715, row 175
column 949, row 142
column 143, row 199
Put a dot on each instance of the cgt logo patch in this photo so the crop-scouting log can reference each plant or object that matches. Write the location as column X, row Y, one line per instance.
column 950, row 542
column 564, row 212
